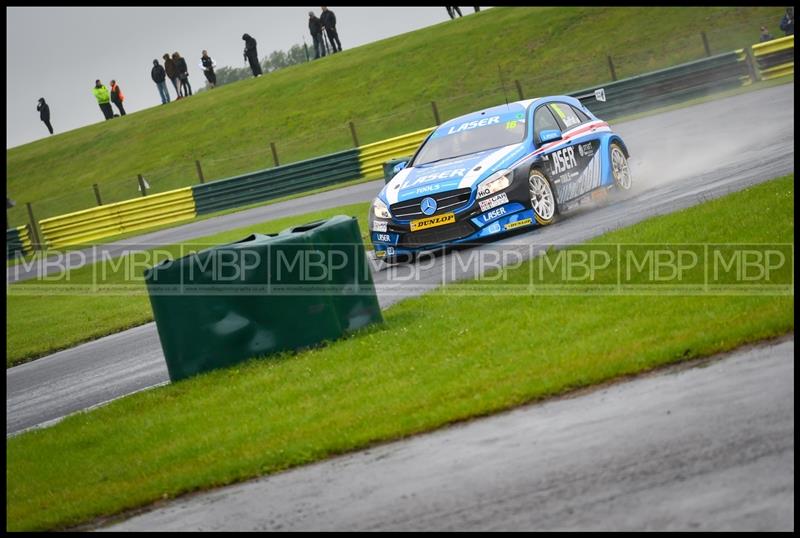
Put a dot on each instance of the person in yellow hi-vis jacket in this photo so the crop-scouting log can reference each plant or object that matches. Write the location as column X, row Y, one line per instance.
column 103, row 99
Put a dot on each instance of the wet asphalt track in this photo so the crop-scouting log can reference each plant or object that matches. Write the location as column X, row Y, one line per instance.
column 679, row 159
column 706, row 448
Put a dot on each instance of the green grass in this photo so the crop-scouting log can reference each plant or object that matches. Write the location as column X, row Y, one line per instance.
column 385, row 88
column 482, row 354
column 58, row 314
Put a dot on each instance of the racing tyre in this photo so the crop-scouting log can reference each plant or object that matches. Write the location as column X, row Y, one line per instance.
column 619, row 168
column 543, row 200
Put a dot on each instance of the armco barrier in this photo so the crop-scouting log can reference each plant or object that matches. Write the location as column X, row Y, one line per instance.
column 372, row 156
column 262, row 295
column 18, row 242
column 669, row 86
column 89, row 225
column 775, row 58
column 275, row 182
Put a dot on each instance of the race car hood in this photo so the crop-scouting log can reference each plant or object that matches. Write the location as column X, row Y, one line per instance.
column 451, row 174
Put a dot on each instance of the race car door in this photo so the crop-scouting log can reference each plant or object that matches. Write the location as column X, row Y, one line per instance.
column 573, row 164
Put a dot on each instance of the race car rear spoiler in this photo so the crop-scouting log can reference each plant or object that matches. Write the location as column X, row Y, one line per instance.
column 599, row 95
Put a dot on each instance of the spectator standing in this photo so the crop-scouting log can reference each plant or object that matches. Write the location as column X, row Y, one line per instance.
column 208, row 64
column 172, row 73
column 183, row 73
column 117, row 97
column 159, row 76
column 103, row 99
column 251, row 54
column 315, row 27
column 787, row 22
column 452, row 10
column 328, row 20
column 44, row 113
column 765, row 35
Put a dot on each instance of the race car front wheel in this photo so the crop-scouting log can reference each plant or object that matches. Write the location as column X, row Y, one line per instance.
column 543, row 201
column 619, row 167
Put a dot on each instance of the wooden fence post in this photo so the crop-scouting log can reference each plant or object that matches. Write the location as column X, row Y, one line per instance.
column 200, row 175
column 435, row 113
column 97, row 194
column 611, row 68
column 353, row 132
column 274, row 153
column 519, row 90
column 705, row 43
column 35, row 241
column 142, row 186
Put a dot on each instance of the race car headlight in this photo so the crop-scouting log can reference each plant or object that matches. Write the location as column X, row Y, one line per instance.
column 380, row 210
column 496, row 182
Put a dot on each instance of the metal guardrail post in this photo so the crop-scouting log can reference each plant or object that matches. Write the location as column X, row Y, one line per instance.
column 200, row 175
column 519, row 89
column 353, row 132
column 705, row 43
column 96, row 189
column 751, row 64
column 141, row 185
column 35, row 242
column 435, row 113
column 611, row 68
column 274, row 153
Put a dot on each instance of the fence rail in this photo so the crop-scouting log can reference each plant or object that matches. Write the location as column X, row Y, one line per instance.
column 775, row 58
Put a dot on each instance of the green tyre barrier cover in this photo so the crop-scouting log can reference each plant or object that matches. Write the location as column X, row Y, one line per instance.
column 262, row 295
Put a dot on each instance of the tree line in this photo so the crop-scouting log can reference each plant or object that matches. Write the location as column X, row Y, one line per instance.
column 277, row 59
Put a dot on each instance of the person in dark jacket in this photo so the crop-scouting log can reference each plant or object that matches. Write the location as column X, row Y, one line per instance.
column 765, row 35
column 315, row 27
column 183, row 73
column 251, row 54
column 159, row 76
column 452, row 10
column 117, row 97
column 207, row 64
column 44, row 113
column 328, row 20
column 787, row 22
column 172, row 73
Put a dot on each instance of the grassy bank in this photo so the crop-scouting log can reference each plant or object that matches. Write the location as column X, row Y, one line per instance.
column 385, row 88
column 482, row 354
column 59, row 315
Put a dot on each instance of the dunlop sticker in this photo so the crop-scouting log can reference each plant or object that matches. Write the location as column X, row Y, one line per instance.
column 431, row 222
column 517, row 224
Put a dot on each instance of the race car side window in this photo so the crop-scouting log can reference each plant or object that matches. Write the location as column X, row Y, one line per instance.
column 565, row 114
column 543, row 120
column 580, row 113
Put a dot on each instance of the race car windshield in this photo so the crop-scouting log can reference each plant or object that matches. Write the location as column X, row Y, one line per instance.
column 469, row 137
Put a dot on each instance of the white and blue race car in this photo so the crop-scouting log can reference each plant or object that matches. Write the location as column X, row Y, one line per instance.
column 500, row 169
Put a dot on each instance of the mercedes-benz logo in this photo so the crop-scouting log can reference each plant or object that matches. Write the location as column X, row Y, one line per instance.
column 428, row 206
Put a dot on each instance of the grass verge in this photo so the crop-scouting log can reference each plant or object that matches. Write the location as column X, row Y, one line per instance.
column 482, row 354
column 61, row 313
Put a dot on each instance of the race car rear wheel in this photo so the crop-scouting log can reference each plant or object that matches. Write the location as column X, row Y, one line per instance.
column 619, row 167
column 543, row 200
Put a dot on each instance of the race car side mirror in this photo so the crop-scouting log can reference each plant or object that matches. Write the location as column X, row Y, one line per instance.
column 549, row 135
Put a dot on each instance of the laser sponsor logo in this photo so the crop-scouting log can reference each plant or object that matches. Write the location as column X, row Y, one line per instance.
column 432, row 222
column 517, row 224
column 384, row 237
column 448, row 174
column 379, row 226
column 563, row 160
column 495, row 213
column 494, row 201
column 473, row 124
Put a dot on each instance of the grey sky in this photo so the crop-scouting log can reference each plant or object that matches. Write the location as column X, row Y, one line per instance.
column 57, row 53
